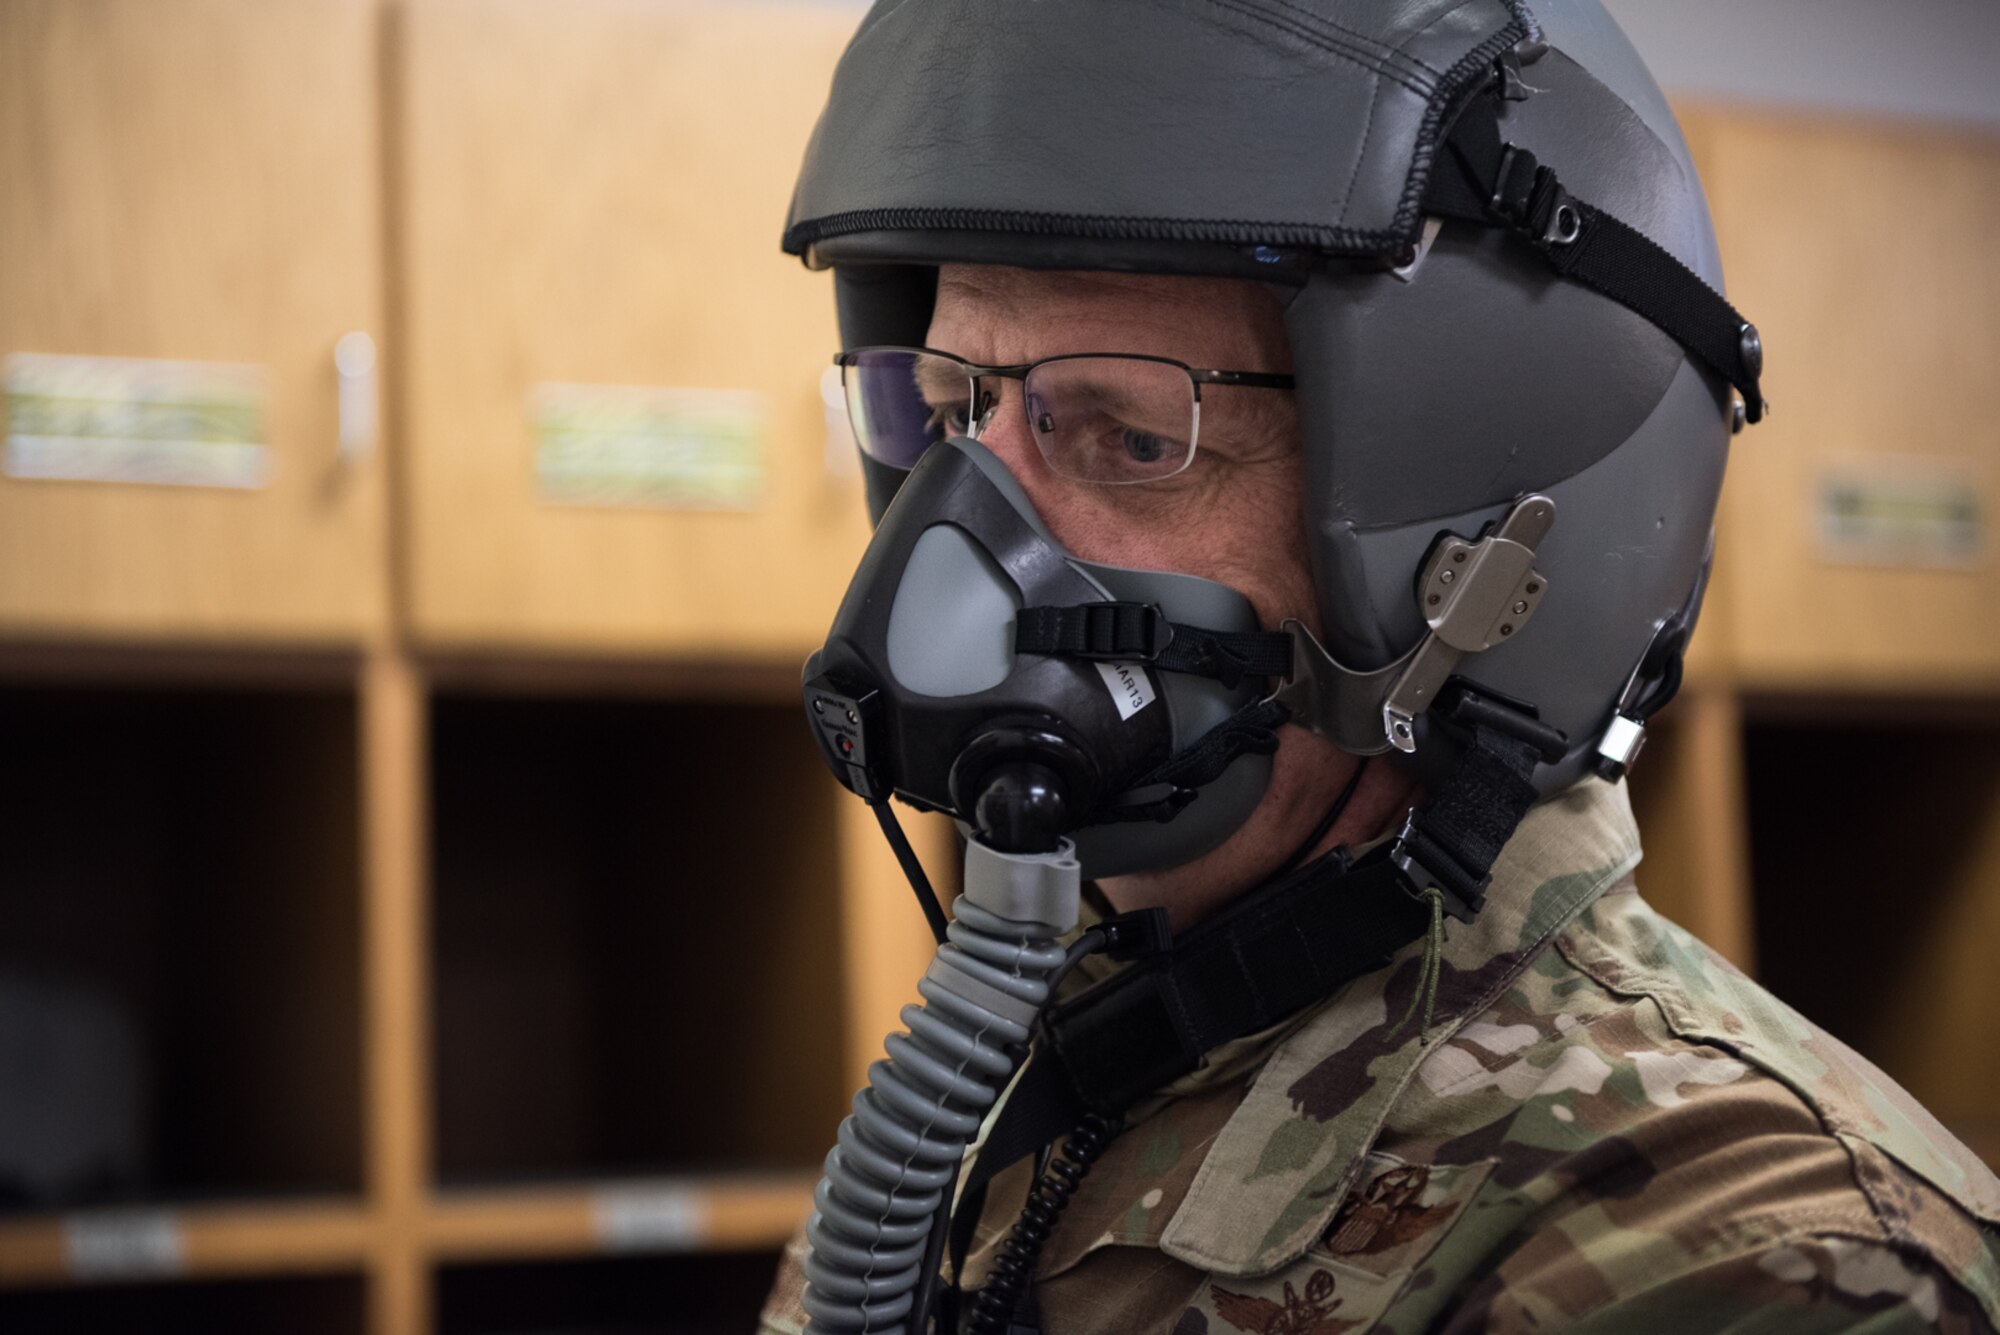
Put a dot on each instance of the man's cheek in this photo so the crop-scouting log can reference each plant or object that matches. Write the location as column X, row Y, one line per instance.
column 1278, row 589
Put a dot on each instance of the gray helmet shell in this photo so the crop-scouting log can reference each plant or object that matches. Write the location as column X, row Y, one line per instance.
column 1292, row 142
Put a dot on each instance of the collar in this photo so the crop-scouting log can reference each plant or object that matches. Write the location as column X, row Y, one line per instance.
column 1281, row 1164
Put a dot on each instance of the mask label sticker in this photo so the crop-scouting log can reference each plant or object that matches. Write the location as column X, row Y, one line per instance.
column 665, row 448
column 1131, row 689
column 1903, row 510
column 136, row 420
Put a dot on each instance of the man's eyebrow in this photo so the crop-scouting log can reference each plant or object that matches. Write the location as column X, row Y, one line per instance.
column 1242, row 414
column 1100, row 394
column 1112, row 398
column 938, row 379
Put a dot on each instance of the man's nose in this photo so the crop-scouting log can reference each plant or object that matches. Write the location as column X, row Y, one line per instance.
column 1006, row 434
column 1070, row 509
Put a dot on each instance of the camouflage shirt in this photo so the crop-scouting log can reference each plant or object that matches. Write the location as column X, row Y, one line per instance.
column 1606, row 1128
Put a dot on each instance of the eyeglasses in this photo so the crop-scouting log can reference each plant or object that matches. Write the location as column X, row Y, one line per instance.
column 1096, row 417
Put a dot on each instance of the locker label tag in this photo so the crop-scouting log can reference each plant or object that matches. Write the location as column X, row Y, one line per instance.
column 123, row 1244
column 664, row 448
column 134, row 420
column 1902, row 510
column 649, row 1218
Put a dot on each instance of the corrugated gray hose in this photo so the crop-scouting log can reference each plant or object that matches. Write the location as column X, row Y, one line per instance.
column 900, row 1150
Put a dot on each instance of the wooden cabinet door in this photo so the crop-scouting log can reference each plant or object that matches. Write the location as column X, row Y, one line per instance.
column 1858, row 538
column 592, row 197
column 194, row 183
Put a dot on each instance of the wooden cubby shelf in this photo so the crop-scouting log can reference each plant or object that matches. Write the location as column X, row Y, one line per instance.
column 198, row 1240
column 1876, row 857
column 422, row 910
column 635, row 938
column 179, row 955
column 695, row 1214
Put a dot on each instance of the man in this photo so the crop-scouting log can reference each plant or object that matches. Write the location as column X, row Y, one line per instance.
column 1560, row 1111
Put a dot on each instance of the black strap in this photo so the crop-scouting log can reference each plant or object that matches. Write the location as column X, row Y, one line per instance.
column 1043, row 1106
column 1161, row 792
column 1272, row 953
column 1141, row 633
column 1268, row 957
column 913, row 867
column 1454, row 842
column 1485, row 179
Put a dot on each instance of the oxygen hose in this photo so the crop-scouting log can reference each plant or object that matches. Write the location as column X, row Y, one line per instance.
column 899, row 1152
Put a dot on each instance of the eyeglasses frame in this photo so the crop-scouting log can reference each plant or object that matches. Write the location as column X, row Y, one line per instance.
column 1197, row 377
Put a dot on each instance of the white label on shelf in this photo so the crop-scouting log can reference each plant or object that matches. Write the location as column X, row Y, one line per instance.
column 1902, row 510
column 644, row 1218
column 627, row 445
column 135, row 420
column 123, row 1244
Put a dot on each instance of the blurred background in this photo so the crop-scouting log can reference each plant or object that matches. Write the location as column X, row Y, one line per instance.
column 420, row 906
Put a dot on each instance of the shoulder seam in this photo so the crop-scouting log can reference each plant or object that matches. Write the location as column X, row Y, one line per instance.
column 1660, row 990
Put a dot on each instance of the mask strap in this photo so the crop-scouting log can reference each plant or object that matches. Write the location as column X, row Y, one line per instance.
column 1326, row 822
column 1115, row 632
column 1163, row 791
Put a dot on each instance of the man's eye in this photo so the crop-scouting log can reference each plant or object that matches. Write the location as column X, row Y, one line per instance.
column 1143, row 446
column 950, row 418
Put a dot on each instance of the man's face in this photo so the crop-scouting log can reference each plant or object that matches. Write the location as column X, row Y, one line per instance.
column 1233, row 516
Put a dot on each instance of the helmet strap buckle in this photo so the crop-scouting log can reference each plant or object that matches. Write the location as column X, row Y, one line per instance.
column 1515, row 184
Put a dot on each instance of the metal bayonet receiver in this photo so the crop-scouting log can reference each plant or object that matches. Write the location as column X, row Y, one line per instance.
column 1473, row 595
column 1339, row 703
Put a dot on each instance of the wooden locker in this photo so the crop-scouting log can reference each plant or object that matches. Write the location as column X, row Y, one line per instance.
column 195, row 182
column 592, row 195
column 1862, row 253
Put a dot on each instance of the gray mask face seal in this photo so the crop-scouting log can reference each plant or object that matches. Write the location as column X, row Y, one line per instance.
column 919, row 690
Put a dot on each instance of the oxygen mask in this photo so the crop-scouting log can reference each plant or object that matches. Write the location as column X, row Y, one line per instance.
column 974, row 668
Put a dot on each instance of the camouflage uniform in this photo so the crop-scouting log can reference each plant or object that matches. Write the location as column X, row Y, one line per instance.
column 1608, row 1129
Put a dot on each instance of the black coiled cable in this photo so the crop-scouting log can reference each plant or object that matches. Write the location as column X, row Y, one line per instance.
column 1014, row 1268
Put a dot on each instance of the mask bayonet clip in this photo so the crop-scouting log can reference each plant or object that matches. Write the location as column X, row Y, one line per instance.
column 1473, row 596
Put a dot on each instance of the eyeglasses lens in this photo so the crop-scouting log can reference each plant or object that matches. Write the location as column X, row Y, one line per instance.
column 902, row 402
column 1112, row 419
